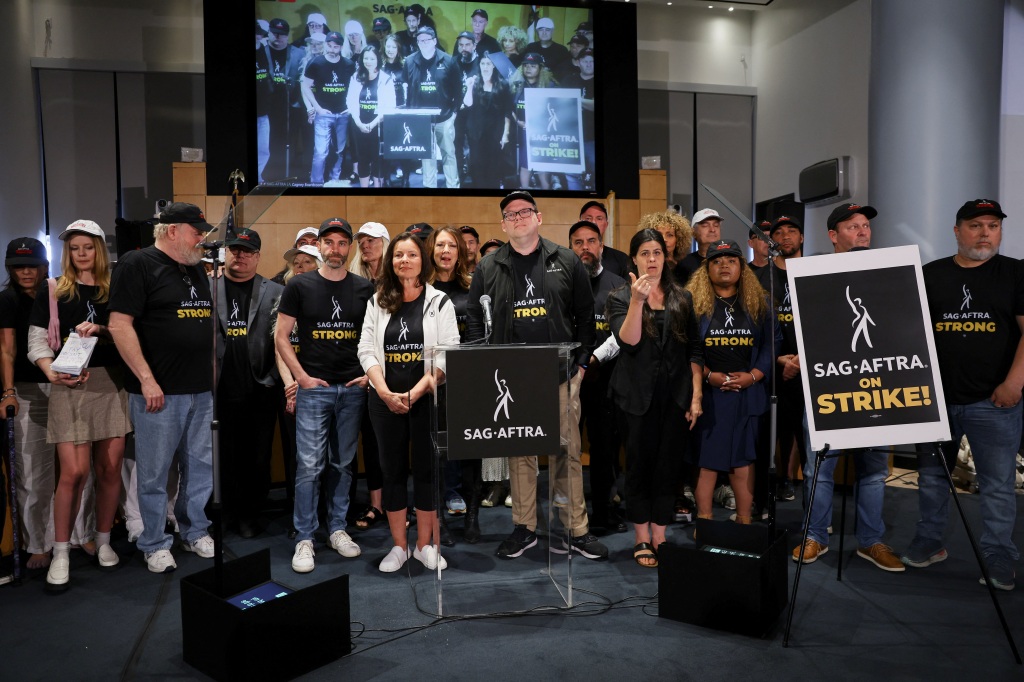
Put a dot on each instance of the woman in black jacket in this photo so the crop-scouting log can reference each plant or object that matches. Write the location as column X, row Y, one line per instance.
column 657, row 386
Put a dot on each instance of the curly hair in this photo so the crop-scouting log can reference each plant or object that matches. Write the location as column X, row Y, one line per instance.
column 389, row 288
column 752, row 296
column 67, row 283
column 460, row 275
column 514, row 32
column 676, row 307
column 679, row 224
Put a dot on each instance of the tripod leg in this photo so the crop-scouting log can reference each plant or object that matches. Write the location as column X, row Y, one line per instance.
column 818, row 459
column 977, row 554
column 842, row 518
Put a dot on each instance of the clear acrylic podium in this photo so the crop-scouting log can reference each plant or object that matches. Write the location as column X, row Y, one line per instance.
column 506, row 400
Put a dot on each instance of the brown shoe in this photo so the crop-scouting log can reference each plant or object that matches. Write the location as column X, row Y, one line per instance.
column 812, row 550
column 881, row 555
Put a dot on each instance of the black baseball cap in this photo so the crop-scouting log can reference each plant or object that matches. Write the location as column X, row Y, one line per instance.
column 245, row 238
column 335, row 225
column 518, row 194
column 279, row 27
column 179, row 212
column 426, row 31
column 584, row 224
column 468, row 229
column 465, row 34
column 335, row 37
column 579, row 40
column 381, row 24
column 421, row 230
column 26, row 251
column 479, row 13
column 786, row 220
column 416, row 9
column 765, row 226
column 977, row 207
column 847, row 211
column 724, row 247
column 533, row 58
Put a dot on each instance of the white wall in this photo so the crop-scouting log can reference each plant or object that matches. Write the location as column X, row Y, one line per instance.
column 687, row 45
column 811, row 60
column 1011, row 163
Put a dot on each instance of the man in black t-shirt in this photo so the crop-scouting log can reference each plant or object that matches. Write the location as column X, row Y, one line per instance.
column 328, row 305
column 612, row 260
column 789, row 234
column 976, row 299
column 597, row 408
column 285, row 111
column 483, row 43
column 324, row 89
column 542, row 294
column 160, row 320
column 583, row 80
column 435, row 82
column 469, row 66
column 553, row 53
column 707, row 229
column 248, row 384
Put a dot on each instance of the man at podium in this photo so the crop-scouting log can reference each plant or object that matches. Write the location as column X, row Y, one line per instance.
column 541, row 294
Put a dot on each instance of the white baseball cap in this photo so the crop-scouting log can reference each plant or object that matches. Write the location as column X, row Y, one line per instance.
column 546, row 22
column 376, row 230
column 705, row 214
column 84, row 226
column 316, row 17
column 307, row 230
column 307, row 249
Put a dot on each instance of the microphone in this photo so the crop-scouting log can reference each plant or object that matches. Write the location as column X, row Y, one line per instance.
column 485, row 303
column 210, row 246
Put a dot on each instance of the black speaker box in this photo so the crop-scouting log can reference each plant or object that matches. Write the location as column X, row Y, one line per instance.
column 276, row 640
column 740, row 587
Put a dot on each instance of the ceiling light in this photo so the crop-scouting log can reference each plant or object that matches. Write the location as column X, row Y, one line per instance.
column 731, row 8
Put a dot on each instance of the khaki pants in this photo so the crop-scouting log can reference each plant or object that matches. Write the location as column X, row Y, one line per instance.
column 566, row 469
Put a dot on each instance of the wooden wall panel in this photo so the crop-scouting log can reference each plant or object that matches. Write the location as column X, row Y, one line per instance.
column 286, row 216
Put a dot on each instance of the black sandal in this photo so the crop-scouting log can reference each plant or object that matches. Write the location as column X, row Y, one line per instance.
column 369, row 518
column 645, row 550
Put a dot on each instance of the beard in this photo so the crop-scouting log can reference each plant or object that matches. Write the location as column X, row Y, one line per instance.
column 979, row 254
column 591, row 263
column 189, row 255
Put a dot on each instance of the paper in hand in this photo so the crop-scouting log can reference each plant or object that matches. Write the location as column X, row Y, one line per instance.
column 75, row 355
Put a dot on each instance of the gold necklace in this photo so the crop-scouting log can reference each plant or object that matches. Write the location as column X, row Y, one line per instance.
column 729, row 306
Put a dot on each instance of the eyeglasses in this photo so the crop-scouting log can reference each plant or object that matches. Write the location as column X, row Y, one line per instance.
column 523, row 213
column 237, row 251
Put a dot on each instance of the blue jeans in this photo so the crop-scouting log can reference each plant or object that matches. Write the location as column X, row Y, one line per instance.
column 262, row 143
column 182, row 427
column 327, row 420
column 872, row 468
column 323, row 126
column 994, row 435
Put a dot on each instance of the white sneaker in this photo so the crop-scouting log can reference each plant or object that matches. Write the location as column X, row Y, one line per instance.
column 395, row 559
column 161, row 561
column 202, row 547
column 724, row 496
column 302, row 560
column 58, row 575
column 344, row 544
column 429, row 557
column 107, row 557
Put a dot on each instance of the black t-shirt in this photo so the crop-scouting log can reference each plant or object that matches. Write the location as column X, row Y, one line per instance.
column 602, row 285
column 616, row 262
column 15, row 310
column 403, row 346
column 330, row 316
column 586, row 88
column 729, row 341
column 687, row 266
column 330, row 82
column 974, row 314
column 236, row 374
column 783, row 308
column 264, row 89
column 460, row 299
column 554, row 54
column 368, row 101
column 529, row 307
column 170, row 304
column 73, row 312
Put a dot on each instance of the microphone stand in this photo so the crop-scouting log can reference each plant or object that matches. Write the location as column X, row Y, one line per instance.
column 216, row 512
column 773, row 253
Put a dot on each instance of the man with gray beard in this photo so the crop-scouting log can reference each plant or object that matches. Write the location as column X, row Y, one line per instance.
column 160, row 321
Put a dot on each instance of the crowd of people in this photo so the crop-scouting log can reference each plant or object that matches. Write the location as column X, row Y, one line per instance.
column 674, row 363
column 321, row 100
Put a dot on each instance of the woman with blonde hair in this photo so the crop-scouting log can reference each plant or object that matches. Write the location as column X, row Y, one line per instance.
column 88, row 413
column 677, row 233
column 735, row 326
column 513, row 41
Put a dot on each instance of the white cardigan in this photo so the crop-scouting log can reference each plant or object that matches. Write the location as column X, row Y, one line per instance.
column 439, row 328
